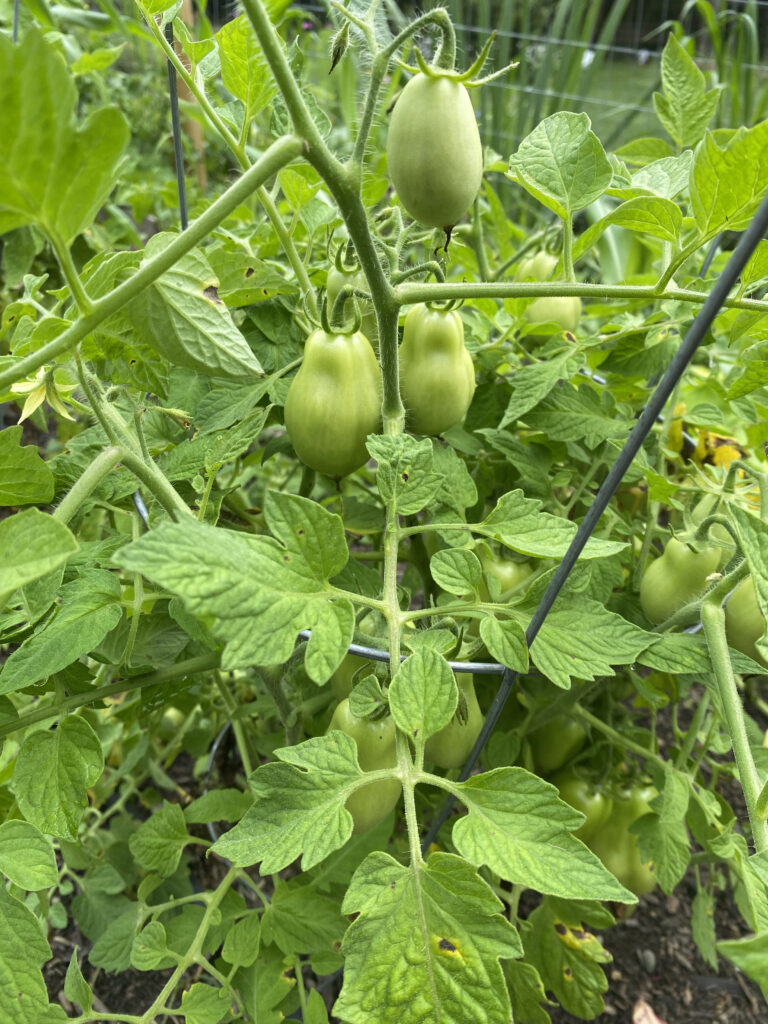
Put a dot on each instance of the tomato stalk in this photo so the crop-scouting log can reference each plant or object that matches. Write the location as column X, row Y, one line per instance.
column 713, row 621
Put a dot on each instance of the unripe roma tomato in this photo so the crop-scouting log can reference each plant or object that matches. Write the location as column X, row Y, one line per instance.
column 437, row 376
column 434, row 153
column 375, row 741
column 559, row 309
column 451, row 747
column 677, row 577
column 334, row 402
column 744, row 622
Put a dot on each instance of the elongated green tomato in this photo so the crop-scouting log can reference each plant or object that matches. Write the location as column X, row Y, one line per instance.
column 744, row 622
column 587, row 797
column 562, row 310
column 437, row 377
column 351, row 669
column 434, row 153
column 375, row 741
column 339, row 278
column 450, row 747
column 677, row 577
column 334, row 402
column 617, row 847
column 555, row 743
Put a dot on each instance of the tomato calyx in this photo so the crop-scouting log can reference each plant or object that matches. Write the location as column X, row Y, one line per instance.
column 465, row 78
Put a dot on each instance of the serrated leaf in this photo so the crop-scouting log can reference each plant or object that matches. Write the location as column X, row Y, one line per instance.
column 53, row 773
column 217, row 805
column 89, row 610
column 567, row 956
column 703, row 926
column 24, row 477
column 182, row 317
column 562, row 164
column 662, row 836
column 253, row 593
column 32, row 545
column 53, row 172
column 520, row 829
column 159, row 841
column 301, row 921
column 685, row 108
column 728, row 181
column 457, row 570
column 750, row 955
column 112, row 949
column 423, row 694
column 519, row 524
column 405, row 471
column 241, row 946
column 26, row 856
column 505, row 640
column 526, row 991
column 425, row 946
column 22, row 949
column 569, row 412
column 244, row 70
column 299, row 806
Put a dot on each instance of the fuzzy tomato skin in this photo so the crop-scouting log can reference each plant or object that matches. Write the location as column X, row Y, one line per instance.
column 437, row 376
column 338, row 279
column 334, row 402
column 559, row 309
column 744, row 622
column 586, row 797
column 451, row 747
column 434, row 153
column 375, row 743
column 678, row 576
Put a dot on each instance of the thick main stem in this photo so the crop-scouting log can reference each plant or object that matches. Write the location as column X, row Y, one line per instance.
column 713, row 620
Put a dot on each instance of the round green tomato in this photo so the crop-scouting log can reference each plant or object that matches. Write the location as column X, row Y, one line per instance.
column 451, row 747
column 509, row 573
column 744, row 622
column 563, row 310
column 338, row 279
column 584, row 796
column 555, row 743
column 617, row 847
column 334, row 402
column 434, row 153
column 375, row 741
column 437, row 377
column 677, row 577
column 348, row 673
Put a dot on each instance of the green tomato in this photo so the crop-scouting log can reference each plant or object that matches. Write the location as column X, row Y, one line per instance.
column 584, row 796
column 451, row 747
column 437, row 377
column 617, row 847
column 339, row 278
column 334, row 402
column 434, row 153
column 555, row 743
column 744, row 622
column 509, row 573
column 375, row 741
column 348, row 673
column 562, row 310
column 674, row 579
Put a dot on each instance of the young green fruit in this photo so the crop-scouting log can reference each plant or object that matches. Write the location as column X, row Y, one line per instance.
column 434, row 153
column 677, row 577
column 617, row 847
column 375, row 741
column 555, row 742
column 437, row 377
column 451, row 747
column 744, row 622
column 582, row 794
column 562, row 310
column 334, row 402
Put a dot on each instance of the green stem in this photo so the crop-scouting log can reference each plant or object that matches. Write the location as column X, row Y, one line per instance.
column 278, row 155
column 568, row 271
column 157, row 483
column 71, row 276
column 202, row 663
column 102, row 465
column 713, row 620
column 693, row 732
column 237, row 725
